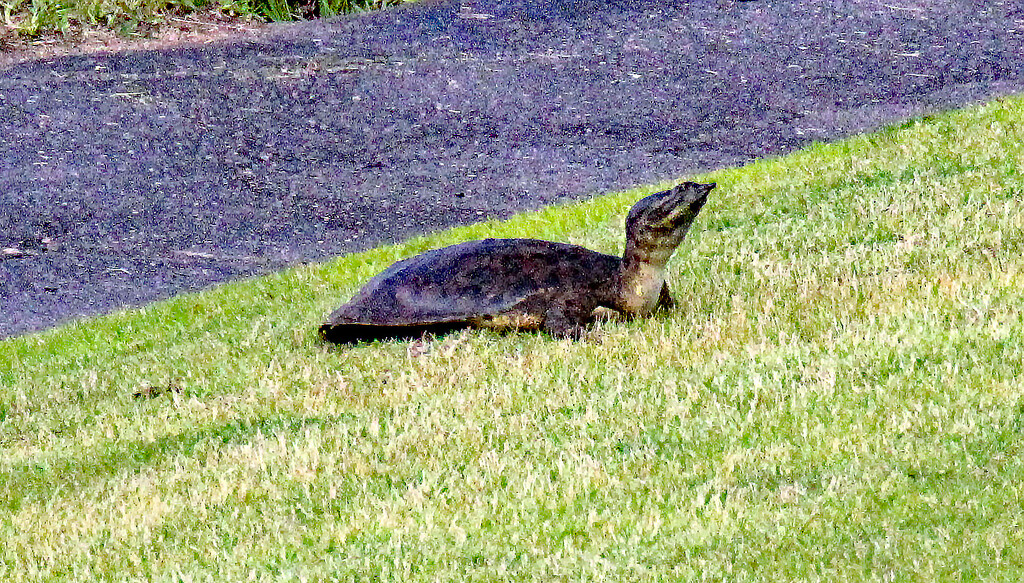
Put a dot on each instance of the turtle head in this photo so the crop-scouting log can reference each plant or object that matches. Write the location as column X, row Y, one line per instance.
column 655, row 226
column 658, row 223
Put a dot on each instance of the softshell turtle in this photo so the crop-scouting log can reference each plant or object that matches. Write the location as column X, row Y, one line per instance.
column 524, row 283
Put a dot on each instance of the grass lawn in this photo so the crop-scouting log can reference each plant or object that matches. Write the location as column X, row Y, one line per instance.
column 838, row 398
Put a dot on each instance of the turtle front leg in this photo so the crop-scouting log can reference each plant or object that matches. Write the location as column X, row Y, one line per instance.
column 665, row 301
column 568, row 319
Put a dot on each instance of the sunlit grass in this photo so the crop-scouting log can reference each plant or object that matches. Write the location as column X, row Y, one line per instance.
column 837, row 398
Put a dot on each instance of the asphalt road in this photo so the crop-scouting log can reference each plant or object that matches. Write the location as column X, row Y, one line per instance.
column 131, row 177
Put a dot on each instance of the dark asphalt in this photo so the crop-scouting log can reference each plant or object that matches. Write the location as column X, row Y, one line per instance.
column 131, row 177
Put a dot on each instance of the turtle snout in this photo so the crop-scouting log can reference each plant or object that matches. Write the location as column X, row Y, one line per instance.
column 706, row 191
column 690, row 192
column 699, row 195
column 701, row 191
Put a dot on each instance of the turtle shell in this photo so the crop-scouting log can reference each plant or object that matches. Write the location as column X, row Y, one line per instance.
column 493, row 280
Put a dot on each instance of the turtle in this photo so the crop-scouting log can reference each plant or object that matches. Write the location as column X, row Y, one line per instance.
column 524, row 284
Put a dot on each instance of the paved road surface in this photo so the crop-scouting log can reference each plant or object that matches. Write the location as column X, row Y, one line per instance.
column 132, row 177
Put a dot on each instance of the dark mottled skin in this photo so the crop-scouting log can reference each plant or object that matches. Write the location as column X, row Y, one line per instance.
column 523, row 283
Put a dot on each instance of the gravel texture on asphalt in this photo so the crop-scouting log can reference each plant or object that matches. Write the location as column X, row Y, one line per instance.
column 130, row 177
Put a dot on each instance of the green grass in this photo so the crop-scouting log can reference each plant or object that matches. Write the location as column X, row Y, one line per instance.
column 838, row 398
column 135, row 17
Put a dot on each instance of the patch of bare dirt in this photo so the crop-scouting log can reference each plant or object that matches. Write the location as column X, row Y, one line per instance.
column 200, row 27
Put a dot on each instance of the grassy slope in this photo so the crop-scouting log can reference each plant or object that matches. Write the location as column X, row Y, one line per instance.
column 839, row 397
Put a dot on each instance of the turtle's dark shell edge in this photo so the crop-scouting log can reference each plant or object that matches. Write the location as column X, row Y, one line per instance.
column 473, row 283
